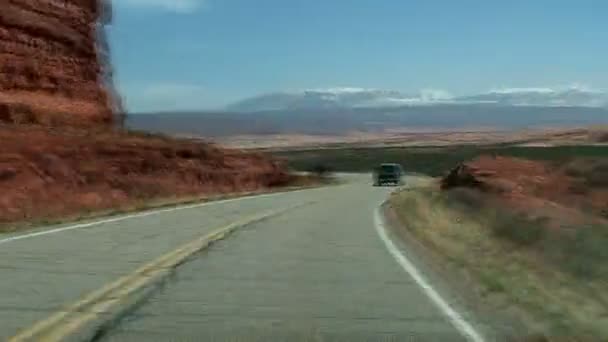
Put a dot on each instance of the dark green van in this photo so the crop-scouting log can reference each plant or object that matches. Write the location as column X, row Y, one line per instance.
column 388, row 173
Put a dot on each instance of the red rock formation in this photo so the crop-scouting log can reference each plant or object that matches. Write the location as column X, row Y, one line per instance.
column 53, row 63
column 54, row 71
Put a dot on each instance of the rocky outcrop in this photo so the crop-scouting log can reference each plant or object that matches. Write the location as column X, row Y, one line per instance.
column 55, row 92
column 519, row 180
column 509, row 176
column 54, row 67
column 462, row 176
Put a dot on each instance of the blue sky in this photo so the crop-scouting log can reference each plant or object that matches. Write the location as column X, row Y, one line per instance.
column 201, row 54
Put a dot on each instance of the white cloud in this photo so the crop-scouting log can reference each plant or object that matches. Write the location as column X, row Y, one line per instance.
column 435, row 95
column 521, row 90
column 547, row 90
column 177, row 6
column 585, row 88
column 342, row 90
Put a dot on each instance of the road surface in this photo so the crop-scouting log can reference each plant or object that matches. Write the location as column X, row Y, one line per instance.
column 316, row 270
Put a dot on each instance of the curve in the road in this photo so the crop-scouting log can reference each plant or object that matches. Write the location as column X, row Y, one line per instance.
column 465, row 328
column 96, row 306
column 43, row 231
column 322, row 264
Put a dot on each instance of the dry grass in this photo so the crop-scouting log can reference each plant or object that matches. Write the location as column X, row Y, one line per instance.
column 557, row 281
column 593, row 172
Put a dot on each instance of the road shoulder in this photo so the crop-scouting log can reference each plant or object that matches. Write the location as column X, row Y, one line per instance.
column 10, row 232
column 452, row 282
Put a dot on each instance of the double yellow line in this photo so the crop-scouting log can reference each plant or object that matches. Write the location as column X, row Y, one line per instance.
column 100, row 303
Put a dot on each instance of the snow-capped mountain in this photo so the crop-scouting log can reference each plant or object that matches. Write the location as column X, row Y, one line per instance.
column 338, row 98
column 337, row 111
column 573, row 96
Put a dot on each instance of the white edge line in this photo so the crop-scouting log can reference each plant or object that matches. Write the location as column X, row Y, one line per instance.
column 138, row 215
column 464, row 327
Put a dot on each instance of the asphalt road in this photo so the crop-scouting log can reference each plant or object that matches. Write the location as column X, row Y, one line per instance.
column 316, row 272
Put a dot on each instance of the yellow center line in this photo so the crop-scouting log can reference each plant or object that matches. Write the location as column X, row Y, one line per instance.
column 62, row 324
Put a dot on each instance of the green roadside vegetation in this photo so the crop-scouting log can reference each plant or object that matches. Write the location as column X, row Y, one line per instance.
column 430, row 160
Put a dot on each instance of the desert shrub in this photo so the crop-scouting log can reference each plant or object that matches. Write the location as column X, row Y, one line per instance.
column 578, row 188
column 192, row 153
column 598, row 175
column 468, row 199
column 601, row 137
column 575, row 170
column 8, row 173
column 138, row 189
column 147, row 134
column 591, row 172
column 279, row 179
column 585, row 253
column 518, row 228
column 409, row 207
column 492, row 281
column 505, row 224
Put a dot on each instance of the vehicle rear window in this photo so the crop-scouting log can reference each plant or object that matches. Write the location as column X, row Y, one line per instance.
column 388, row 168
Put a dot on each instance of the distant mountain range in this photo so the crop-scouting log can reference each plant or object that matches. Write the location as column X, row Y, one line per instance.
column 340, row 111
column 333, row 98
column 332, row 121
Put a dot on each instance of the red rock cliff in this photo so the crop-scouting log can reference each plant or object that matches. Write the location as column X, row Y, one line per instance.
column 54, row 66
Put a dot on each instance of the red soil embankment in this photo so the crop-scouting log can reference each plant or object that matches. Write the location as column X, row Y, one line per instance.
column 564, row 191
column 52, row 174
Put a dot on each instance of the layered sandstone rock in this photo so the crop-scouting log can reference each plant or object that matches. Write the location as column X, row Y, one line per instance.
column 54, row 66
